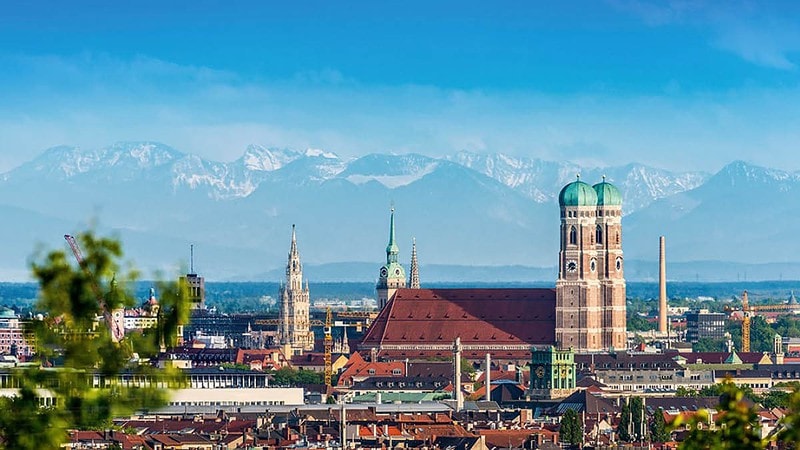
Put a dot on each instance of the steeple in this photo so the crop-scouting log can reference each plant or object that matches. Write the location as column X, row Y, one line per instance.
column 413, row 281
column 392, row 249
column 293, row 248
column 295, row 333
column 294, row 269
column 392, row 275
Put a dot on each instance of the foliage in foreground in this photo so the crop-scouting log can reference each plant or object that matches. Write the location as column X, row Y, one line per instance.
column 77, row 361
column 737, row 424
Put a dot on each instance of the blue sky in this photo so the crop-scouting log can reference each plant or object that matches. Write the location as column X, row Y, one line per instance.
column 678, row 84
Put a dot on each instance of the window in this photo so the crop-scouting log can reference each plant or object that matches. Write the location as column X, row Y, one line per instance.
column 573, row 236
column 599, row 235
column 396, row 372
column 371, row 371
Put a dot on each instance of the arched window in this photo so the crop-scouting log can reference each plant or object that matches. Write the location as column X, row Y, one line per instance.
column 573, row 236
column 599, row 235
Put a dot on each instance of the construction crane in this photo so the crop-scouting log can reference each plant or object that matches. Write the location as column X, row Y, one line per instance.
column 749, row 311
column 328, row 347
column 117, row 333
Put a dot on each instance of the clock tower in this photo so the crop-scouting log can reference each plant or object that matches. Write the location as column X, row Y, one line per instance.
column 590, row 290
column 608, row 237
column 391, row 276
column 553, row 372
column 579, row 308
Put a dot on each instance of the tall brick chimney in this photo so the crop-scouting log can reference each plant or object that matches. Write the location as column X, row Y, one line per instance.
column 662, row 285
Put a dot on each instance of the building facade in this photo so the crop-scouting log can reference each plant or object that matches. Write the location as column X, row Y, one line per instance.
column 392, row 276
column 295, row 333
column 702, row 324
column 590, row 290
column 14, row 340
column 553, row 372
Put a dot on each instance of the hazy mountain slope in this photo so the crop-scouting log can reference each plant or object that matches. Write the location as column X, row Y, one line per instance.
column 541, row 180
column 744, row 213
column 467, row 210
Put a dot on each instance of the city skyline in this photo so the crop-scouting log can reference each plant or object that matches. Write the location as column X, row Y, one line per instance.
column 688, row 86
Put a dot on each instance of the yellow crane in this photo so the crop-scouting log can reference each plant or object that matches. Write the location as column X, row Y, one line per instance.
column 328, row 347
column 749, row 311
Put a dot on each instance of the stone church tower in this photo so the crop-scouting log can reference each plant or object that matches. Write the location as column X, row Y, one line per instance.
column 295, row 334
column 590, row 290
column 608, row 238
column 392, row 276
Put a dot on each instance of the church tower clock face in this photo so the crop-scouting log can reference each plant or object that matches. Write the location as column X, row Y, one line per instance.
column 572, row 266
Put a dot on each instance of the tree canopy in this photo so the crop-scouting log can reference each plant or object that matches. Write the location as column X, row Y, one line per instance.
column 571, row 430
column 77, row 363
column 736, row 425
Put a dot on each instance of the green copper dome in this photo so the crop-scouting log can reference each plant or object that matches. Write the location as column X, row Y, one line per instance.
column 577, row 193
column 607, row 194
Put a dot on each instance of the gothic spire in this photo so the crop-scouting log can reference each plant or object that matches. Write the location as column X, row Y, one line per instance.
column 392, row 249
column 294, row 269
column 293, row 248
column 413, row 281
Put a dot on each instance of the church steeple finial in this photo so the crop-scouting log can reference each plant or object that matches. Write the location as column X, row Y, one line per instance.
column 392, row 250
column 293, row 247
column 413, row 281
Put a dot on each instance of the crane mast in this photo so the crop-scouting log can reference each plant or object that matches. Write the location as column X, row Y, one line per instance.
column 116, row 333
column 328, row 347
column 748, row 311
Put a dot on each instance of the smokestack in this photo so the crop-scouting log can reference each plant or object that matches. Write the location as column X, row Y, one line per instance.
column 488, row 377
column 662, row 285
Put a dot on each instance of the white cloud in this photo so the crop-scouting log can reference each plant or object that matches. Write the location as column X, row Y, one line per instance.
column 216, row 115
column 761, row 33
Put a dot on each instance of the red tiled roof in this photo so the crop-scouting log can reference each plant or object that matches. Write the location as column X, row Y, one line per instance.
column 720, row 357
column 360, row 369
column 480, row 317
column 309, row 359
column 510, row 438
column 244, row 356
column 430, row 431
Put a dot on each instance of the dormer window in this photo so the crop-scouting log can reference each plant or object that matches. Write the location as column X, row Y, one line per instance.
column 371, row 371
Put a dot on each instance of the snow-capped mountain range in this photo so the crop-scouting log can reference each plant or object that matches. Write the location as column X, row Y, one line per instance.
column 464, row 209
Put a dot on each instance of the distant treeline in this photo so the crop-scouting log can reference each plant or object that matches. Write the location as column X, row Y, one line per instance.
column 261, row 296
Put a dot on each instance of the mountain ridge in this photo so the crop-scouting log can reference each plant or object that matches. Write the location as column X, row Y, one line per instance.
column 465, row 210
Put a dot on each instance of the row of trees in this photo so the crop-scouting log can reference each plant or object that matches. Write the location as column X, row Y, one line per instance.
column 634, row 425
column 769, row 400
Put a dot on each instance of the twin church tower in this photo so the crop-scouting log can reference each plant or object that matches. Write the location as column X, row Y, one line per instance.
column 590, row 289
